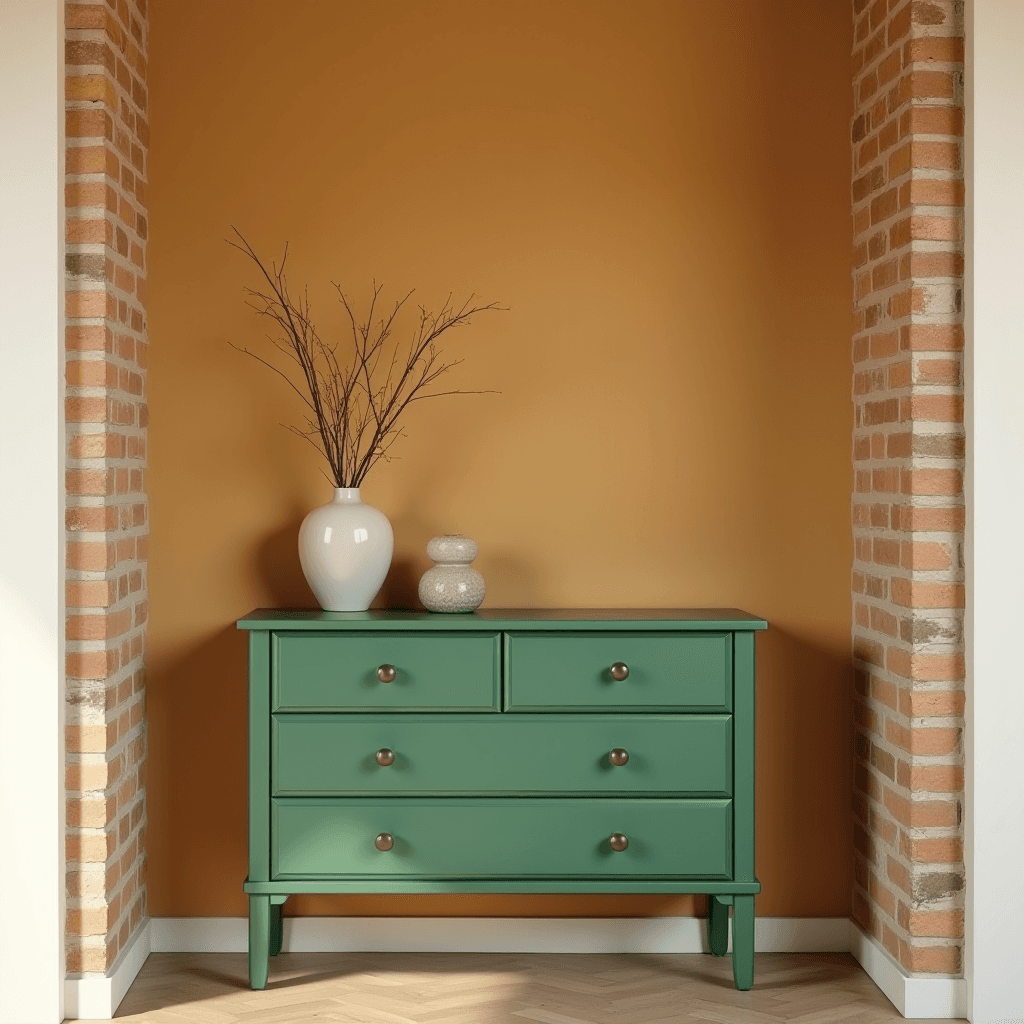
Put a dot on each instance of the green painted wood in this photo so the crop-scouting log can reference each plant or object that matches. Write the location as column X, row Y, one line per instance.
column 259, row 941
column 743, row 942
column 518, row 843
column 259, row 755
column 515, row 754
column 465, row 838
column 549, row 672
column 508, row 619
column 718, row 926
column 276, row 928
column 435, row 672
column 426, row 886
column 743, row 739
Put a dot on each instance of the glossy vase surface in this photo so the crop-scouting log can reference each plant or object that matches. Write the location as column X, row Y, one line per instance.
column 345, row 548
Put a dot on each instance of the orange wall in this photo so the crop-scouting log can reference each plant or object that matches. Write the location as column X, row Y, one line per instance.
column 660, row 192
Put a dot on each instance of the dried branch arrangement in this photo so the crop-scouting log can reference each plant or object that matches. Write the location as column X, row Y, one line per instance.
column 354, row 400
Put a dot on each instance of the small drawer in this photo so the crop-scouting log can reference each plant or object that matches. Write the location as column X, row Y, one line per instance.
column 501, row 838
column 630, row 671
column 514, row 754
column 386, row 671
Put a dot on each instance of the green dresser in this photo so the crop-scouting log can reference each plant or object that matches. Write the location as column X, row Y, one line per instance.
column 504, row 751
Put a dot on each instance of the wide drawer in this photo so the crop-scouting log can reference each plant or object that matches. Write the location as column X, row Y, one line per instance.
column 432, row 671
column 547, row 672
column 319, row 754
column 503, row 838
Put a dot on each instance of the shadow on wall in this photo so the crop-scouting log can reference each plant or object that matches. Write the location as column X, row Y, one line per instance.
column 197, row 811
column 277, row 566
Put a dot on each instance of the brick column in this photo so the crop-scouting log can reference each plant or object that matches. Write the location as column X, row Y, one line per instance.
column 908, row 504
column 107, row 515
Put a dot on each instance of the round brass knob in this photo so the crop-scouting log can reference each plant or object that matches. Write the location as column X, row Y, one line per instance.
column 386, row 673
column 620, row 671
column 618, row 757
column 385, row 757
column 618, row 842
column 384, row 841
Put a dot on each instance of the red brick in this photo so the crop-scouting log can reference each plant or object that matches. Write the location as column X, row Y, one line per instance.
column 934, row 337
column 936, row 155
column 936, row 229
column 944, row 408
column 936, row 191
column 897, row 874
column 91, row 665
column 930, row 519
column 917, row 594
column 932, row 703
column 931, row 84
column 936, row 121
column 936, row 778
column 898, row 27
column 930, row 959
column 932, row 481
column 936, row 923
column 924, row 12
column 924, row 555
column 932, row 264
column 934, row 49
column 89, row 594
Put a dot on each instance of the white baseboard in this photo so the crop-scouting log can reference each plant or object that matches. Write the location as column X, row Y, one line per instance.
column 93, row 998
column 923, row 998
column 494, row 935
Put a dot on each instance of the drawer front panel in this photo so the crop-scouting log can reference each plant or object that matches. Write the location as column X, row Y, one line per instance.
column 481, row 838
column 433, row 671
column 548, row 672
column 321, row 754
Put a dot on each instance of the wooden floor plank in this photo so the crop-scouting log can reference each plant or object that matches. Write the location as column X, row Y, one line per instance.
column 482, row 988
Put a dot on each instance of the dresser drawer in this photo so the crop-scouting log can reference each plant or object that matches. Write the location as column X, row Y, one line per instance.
column 432, row 671
column 510, row 838
column 552, row 672
column 321, row 754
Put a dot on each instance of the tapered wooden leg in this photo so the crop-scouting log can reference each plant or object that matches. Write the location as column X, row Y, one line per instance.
column 718, row 926
column 743, row 941
column 259, row 940
column 276, row 929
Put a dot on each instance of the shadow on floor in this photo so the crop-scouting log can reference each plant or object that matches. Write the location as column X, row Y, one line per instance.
column 487, row 988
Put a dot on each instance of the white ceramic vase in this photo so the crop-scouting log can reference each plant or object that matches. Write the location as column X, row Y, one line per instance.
column 452, row 585
column 345, row 548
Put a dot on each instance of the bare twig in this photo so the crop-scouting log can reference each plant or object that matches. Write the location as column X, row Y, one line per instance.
column 355, row 403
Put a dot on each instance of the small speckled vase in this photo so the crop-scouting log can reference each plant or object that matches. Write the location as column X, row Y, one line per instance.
column 452, row 585
column 345, row 548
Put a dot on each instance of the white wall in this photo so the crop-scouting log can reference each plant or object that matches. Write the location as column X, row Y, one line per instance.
column 31, row 511
column 994, row 806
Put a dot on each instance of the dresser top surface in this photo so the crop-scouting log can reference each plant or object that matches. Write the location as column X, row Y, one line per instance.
column 575, row 619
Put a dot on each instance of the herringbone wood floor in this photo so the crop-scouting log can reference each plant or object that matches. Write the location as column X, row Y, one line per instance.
column 498, row 988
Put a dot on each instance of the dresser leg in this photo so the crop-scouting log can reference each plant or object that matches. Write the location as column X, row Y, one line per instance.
column 718, row 927
column 259, row 940
column 743, row 941
column 276, row 929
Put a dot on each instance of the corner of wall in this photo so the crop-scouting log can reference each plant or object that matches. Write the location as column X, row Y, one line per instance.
column 916, row 998
column 97, row 997
column 107, row 516
column 908, row 503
